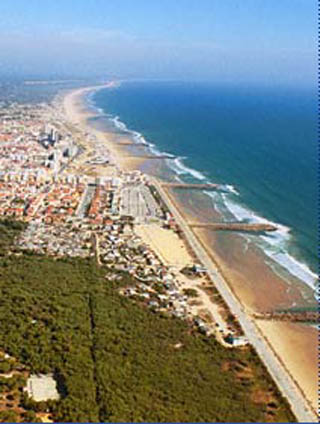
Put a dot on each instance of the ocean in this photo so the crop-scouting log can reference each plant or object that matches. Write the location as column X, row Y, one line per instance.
column 259, row 143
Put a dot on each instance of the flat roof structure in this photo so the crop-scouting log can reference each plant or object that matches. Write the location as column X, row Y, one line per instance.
column 42, row 387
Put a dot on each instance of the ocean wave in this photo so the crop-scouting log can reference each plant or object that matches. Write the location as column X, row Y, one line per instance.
column 92, row 104
column 138, row 138
column 242, row 213
column 153, row 150
column 178, row 166
column 100, row 110
column 294, row 267
column 119, row 124
column 274, row 244
column 231, row 189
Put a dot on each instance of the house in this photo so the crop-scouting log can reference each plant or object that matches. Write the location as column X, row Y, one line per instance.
column 42, row 387
column 236, row 341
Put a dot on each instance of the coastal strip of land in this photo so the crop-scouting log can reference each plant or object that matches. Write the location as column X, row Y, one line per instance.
column 302, row 408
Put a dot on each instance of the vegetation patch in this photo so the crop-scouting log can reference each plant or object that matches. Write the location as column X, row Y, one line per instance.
column 114, row 359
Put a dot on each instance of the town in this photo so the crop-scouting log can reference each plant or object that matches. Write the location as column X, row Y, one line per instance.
column 106, row 217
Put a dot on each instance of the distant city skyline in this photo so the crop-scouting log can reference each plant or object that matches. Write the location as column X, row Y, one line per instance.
column 239, row 41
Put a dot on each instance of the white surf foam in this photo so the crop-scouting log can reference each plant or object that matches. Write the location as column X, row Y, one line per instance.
column 153, row 149
column 294, row 267
column 178, row 166
column 274, row 244
column 119, row 124
column 138, row 138
column 231, row 189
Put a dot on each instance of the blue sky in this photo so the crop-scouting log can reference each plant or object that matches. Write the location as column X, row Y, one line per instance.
column 259, row 41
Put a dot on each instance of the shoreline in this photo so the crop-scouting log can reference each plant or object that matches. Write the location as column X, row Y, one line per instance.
column 287, row 266
column 78, row 113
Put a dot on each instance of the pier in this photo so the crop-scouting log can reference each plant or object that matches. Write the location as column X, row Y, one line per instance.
column 192, row 186
column 131, row 143
column 148, row 156
column 234, row 226
column 290, row 316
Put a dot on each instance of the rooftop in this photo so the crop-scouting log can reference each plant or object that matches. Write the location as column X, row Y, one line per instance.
column 42, row 387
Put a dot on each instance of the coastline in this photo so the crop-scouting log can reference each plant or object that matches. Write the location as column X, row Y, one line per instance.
column 78, row 112
column 241, row 266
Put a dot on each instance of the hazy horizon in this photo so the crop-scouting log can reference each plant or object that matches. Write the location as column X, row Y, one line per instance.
column 248, row 41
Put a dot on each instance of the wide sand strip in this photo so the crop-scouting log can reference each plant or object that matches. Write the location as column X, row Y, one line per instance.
column 167, row 244
column 296, row 344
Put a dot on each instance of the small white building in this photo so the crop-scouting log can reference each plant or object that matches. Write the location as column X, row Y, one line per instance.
column 42, row 387
column 238, row 341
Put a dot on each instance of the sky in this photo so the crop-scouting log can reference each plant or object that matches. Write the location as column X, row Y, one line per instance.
column 269, row 42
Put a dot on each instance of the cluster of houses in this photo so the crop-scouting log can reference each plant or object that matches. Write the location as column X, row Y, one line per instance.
column 58, row 241
column 29, row 197
column 60, row 202
column 32, row 139
column 20, row 129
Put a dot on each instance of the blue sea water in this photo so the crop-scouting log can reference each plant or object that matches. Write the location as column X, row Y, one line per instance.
column 260, row 142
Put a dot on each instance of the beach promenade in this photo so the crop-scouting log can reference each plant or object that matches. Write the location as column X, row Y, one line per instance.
column 288, row 387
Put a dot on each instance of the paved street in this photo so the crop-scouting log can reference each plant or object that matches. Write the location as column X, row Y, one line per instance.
column 85, row 201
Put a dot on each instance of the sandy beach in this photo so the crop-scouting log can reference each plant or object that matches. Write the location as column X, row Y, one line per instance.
column 297, row 345
column 78, row 113
column 169, row 247
column 251, row 280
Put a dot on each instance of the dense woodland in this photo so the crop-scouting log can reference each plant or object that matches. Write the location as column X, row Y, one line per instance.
column 114, row 359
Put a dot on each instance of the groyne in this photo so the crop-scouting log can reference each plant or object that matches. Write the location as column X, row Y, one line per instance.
column 234, row 226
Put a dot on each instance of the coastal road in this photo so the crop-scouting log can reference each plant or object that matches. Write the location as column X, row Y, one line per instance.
column 74, row 157
column 288, row 387
column 96, row 247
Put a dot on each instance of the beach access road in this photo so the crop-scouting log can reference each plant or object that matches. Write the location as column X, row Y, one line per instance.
column 286, row 384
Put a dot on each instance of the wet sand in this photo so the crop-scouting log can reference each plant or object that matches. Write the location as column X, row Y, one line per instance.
column 243, row 263
column 253, row 281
